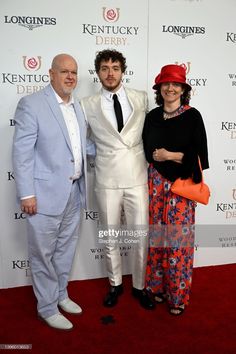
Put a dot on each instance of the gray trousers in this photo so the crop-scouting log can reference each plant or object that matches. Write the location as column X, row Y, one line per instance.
column 51, row 244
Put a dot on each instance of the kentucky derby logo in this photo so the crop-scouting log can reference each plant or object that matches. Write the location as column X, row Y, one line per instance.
column 32, row 64
column 185, row 66
column 111, row 15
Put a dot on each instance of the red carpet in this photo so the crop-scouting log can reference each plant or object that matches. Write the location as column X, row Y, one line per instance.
column 208, row 325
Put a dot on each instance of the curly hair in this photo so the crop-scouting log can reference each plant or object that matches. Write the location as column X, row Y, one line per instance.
column 106, row 55
column 184, row 99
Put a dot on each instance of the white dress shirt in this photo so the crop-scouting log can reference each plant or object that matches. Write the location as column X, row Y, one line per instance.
column 108, row 108
column 73, row 131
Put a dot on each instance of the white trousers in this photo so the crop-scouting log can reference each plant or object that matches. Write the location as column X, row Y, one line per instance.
column 52, row 243
column 134, row 203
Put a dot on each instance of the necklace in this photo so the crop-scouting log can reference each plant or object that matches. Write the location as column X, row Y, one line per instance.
column 176, row 112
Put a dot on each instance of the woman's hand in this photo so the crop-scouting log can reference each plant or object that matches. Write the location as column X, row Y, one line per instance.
column 162, row 154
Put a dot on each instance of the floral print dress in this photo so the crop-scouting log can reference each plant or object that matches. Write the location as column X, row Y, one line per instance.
column 171, row 241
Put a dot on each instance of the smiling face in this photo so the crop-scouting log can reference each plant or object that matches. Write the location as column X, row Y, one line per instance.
column 110, row 75
column 63, row 75
column 171, row 92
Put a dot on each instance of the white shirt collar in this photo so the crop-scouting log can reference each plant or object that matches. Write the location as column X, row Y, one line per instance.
column 60, row 100
column 108, row 94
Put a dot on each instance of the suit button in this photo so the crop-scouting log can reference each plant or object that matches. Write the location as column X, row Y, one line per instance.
column 71, row 178
column 72, row 160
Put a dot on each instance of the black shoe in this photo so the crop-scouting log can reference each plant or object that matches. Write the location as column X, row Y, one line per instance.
column 112, row 297
column 144, row 298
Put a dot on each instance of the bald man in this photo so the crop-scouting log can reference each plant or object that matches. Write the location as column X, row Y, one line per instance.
column 49, row 161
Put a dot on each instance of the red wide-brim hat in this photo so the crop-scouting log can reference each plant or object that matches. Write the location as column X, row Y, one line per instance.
column 171, row 73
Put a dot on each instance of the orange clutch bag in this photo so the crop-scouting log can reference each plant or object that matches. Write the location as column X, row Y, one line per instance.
column 198, row 192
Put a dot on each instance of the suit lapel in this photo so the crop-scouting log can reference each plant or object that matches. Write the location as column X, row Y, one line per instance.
column 57, row 113
column 100, row 113
column 82, row 126
column 130, row 121
column 121, row 136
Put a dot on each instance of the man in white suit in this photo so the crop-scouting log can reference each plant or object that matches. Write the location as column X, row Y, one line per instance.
column 49, row 162
column 120, row 171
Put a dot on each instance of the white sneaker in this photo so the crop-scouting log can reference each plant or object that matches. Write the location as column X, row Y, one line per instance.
column 70, row 306
column 58, row 321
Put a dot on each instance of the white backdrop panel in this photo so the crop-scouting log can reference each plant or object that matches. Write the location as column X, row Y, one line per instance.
column 152, row 34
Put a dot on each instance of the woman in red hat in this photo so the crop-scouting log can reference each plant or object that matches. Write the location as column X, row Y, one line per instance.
column 174, row 137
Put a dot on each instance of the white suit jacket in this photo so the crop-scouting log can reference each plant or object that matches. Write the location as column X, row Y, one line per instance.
column 42, row 155
column 120, row 161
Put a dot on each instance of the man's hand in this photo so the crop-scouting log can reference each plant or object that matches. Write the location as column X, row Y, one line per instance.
column 29, row 206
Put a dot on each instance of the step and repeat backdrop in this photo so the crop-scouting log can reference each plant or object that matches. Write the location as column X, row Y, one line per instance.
column 198, row 34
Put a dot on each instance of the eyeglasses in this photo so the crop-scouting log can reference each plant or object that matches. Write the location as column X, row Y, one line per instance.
column 67, row 72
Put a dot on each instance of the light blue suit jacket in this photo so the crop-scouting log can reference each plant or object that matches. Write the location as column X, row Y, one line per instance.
column 42, row 154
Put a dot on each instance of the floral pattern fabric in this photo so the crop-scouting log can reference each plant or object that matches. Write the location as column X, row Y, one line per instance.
column 171, row 241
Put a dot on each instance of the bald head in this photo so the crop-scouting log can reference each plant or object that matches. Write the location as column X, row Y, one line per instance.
column 60, row 58
column 63, row 75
